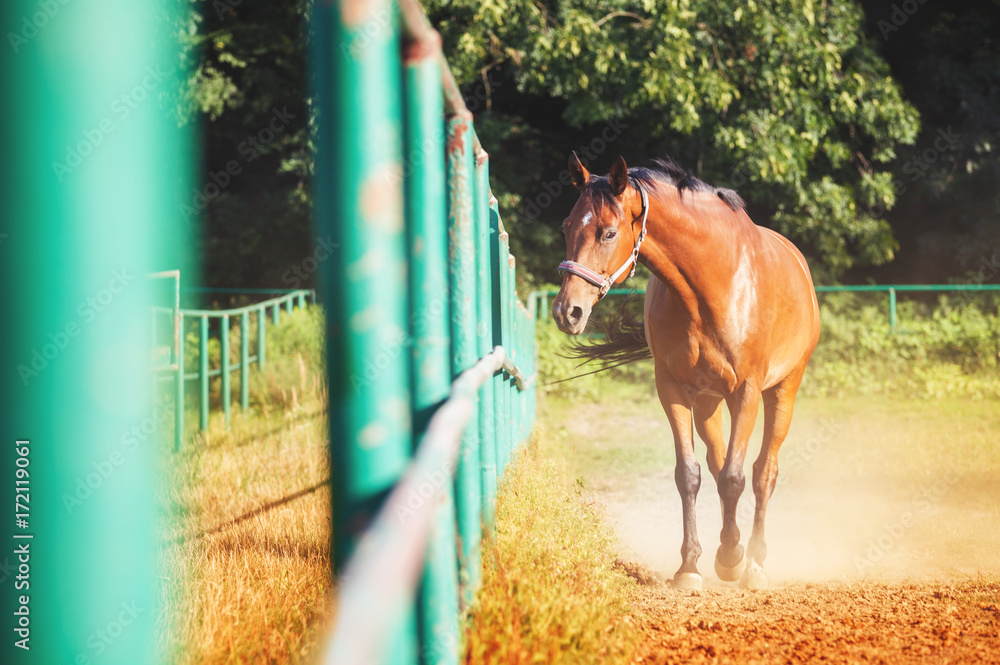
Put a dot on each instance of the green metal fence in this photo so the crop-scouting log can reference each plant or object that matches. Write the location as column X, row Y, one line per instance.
column 94, row 171
column 431, row 356
column 539, row 299
column 892, row 289
column 174, row 368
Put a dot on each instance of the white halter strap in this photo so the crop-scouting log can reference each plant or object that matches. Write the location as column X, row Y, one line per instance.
column 599, row 280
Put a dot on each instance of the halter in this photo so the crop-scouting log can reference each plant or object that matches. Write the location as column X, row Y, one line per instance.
column 599, row 280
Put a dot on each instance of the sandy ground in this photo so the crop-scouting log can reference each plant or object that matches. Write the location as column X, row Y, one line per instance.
column 883, row 535
column 874, row 494
column 835, row 623
column 817, row 534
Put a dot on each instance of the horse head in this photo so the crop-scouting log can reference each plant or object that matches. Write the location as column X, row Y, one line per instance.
column 603, row 233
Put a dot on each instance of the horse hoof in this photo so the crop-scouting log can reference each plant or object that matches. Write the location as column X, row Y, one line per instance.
column 754, row 578
column 730, row 574
column 687, row 581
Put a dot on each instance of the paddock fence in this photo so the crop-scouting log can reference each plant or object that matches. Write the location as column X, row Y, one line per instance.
column 169, row 364
column 431, row 353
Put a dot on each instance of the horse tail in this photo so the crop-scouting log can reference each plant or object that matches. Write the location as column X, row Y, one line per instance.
column 624, row 342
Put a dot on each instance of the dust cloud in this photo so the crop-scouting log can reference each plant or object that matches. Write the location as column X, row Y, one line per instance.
column 866, row 491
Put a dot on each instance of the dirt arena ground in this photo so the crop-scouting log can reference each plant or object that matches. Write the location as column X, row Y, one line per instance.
column 831, row 622
column 883, row 533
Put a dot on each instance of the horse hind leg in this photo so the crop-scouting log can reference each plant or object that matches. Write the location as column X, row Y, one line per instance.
column 778, row 404
column 708, row 422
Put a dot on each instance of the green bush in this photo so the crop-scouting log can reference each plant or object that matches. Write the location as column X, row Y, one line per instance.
column 295, row 360
column 951, row 347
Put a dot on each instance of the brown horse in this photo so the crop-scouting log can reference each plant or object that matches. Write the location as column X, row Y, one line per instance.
column 730, row 315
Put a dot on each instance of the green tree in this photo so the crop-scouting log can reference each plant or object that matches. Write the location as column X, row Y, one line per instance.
column 786, row 101
column 249, row 93
column 947, row 58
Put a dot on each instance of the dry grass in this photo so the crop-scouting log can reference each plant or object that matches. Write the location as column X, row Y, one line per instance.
column 246, row 540
column 245, row 549
column 551, row 590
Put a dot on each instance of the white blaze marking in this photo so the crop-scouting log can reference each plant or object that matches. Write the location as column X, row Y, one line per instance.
column 586, row 218
column 742, row 300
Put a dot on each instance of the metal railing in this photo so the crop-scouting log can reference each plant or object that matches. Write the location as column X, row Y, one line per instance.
column 538, row 300
column 420, row 290
column 176, row 368
column 90, row 204
column 892, row 289
column 431, row 355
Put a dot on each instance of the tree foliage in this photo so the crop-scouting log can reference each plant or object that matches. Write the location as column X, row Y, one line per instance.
column 791, row 103
column 249, row 93
column 787, row 101
column 947, row 57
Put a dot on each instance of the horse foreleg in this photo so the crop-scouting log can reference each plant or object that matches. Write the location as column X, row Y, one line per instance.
column 778, row 404
column 730, row 560
column 708, row 423
column 687, row 475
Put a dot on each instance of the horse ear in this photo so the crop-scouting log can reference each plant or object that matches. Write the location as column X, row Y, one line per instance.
column 579, row 173
column 619, row 177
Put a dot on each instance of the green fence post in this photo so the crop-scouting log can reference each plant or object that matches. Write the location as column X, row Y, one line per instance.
column 484, row 334
column 426, row 213
column 290, row 304
column 359, row 158
column 227, row 394
column 892, row 309
column 245, row 361
column 526, row 361
column 179, row 388
column 503, row 417
column 498, row 385
column 359, row 204
column 462, row 270
column 533, row 376
column 301, row 297
column 515, row 334
column 203, row 374
column 511, row 384
column 261, row 333
column 90, row 190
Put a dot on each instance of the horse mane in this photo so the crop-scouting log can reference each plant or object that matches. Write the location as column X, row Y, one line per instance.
column 667, row 171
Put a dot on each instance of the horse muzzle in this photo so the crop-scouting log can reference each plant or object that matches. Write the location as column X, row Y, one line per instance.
column 571, row 316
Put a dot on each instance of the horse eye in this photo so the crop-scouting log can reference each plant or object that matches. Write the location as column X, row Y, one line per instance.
column 610, row 235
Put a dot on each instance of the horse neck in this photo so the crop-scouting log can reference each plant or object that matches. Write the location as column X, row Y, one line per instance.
column 687, row 252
